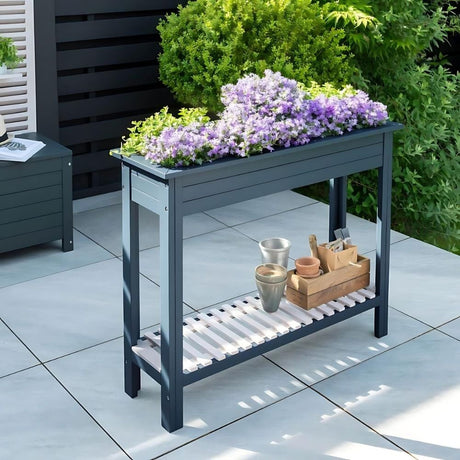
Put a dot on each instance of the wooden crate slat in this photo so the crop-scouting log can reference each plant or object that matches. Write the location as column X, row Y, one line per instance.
column 199, row 340
column 200, row 326
column 346, row 301
column 328, row 311
column 295, row 311
column 99, row 130
column 106, row 55
column 278, row 315
column 92, row 162
column 267, row 332
column 357, row 297
column 30, row 182
column 34, row 224
column 337, row 306
column 106, row 28
column 84, row 7
column 367, row 293
column 108, row 79
column 315, row 314
column 263, row 317
column 28, row 211
column 226, row 317
column 29, row 239
column 149, row 354
column 222, row 328
column 108, row 105
column 30, row 196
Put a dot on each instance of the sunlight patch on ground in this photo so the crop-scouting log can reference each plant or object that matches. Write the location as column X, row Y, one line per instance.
column 358, row 451
column 234, row 453
column 360, row 399
column 434, row 421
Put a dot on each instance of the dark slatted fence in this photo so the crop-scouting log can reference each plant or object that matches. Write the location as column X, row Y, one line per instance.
column 96, row 71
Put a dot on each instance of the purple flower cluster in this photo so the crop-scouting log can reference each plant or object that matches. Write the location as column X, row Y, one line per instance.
column 260, row 114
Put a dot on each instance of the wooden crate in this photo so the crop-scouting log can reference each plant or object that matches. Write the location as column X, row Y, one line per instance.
column 309, row 293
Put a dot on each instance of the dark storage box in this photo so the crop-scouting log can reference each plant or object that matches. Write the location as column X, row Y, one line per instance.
column 36, row 198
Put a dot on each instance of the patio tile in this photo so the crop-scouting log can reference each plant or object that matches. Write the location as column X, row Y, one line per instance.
column 452, row 328
column 46, row 259
column 135, row 423
column 257, row 208
column 40, row 420
column 103, row 225
column 79, row 308
column 343, row 345
column 429, row 295
column 217, row 266
column 302, row 426
column 297, row 224
column 14, row 355
column 410, row 395
column 96, row 201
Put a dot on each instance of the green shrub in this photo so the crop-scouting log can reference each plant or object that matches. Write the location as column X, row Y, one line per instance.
column 210, row 43
column 389, row 39
column 426, row 153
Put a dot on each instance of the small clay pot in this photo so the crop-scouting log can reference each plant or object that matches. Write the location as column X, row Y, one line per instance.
column 307, row 266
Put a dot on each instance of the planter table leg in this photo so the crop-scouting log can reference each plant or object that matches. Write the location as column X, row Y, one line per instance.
column 382, row 268
column 130, row 231
column 171, row 283
column 337, row 204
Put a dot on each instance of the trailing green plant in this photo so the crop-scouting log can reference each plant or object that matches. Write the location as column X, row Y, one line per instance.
column 210, row 43
column 155, row 124
column 9, row 53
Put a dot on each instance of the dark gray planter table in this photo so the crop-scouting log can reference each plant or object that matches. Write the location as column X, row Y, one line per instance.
column 36, row 198
column 174, row 193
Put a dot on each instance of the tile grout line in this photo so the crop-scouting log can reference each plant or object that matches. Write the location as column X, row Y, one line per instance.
column 228, row 424
column 43, row 365
column 87, row 411
column 336, row 404
column 362, row 422
column 67, row 269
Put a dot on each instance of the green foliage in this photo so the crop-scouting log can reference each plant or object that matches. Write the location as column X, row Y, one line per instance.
column 210, row 43
column 8, row 53
column 389, row 48
column 154, row 125
column 426, row 156
column 388, row 34
column 314, row 90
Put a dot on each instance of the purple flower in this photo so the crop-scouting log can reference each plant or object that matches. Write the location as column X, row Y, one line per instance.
column 260, row 114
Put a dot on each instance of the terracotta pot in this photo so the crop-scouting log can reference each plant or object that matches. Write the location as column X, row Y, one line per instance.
column 307, row 266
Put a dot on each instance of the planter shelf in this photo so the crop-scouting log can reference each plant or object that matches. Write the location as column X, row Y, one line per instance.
column 196, row 347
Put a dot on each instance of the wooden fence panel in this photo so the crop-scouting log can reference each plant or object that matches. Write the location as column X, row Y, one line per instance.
column 97, row 70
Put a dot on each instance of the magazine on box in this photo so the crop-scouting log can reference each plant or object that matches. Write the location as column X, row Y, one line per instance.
column 17, row 149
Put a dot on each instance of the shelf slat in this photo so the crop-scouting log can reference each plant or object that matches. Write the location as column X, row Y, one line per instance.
column 232, row 329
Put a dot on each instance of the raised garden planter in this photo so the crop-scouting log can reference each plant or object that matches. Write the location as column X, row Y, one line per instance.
column 174, row 193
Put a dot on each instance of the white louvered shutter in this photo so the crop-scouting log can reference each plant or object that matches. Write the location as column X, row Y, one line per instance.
column 17, row 88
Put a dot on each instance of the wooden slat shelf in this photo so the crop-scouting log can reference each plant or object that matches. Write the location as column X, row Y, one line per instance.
column 235, row 328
